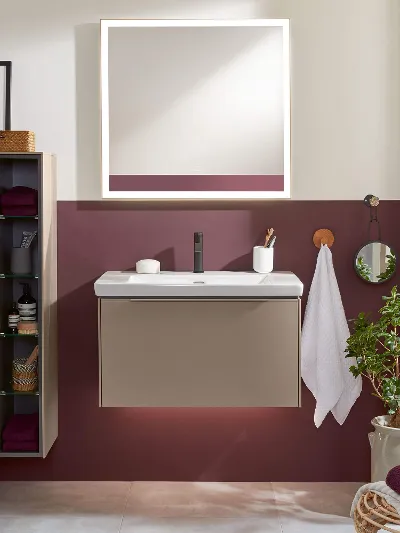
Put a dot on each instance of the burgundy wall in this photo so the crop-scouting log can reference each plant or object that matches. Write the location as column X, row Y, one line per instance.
column 199, row 444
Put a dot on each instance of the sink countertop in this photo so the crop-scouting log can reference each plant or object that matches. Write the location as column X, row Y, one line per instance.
column 219, row 284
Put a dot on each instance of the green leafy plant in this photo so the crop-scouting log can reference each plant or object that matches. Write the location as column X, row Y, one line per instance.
column 391, row 267
column 376, row 348
column 363, row 269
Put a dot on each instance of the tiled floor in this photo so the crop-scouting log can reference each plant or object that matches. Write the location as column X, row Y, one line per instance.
column 147, row 507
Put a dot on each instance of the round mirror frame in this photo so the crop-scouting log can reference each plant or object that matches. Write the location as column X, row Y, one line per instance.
column 393, row 251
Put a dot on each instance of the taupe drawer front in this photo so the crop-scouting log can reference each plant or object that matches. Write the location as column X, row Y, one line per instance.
column 199, row 353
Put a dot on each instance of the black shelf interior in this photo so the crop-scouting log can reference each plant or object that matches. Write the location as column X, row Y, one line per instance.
column 16, row 171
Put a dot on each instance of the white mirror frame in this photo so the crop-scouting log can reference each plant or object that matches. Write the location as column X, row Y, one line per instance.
column 191, row 195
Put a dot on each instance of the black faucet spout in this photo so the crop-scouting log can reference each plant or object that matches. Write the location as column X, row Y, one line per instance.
column 198, row 253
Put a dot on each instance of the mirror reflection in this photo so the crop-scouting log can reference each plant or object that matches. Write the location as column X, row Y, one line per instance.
column 375, row 262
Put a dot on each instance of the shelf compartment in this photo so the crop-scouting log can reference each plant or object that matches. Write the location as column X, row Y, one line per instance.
column 37, row 171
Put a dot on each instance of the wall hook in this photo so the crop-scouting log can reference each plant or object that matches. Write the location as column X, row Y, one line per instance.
column 323, row 236
column 372, row 202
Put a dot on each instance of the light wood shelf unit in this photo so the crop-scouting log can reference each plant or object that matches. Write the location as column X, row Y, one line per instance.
column 36, row 170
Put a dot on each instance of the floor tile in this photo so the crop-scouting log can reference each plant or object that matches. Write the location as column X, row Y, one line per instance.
column 150, row 507
column 199, row 525
column 315, row 507
column 79, row 498
column 206, row 500
column 61, row 524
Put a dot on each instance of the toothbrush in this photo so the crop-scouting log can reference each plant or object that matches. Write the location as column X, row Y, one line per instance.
column 268, row 236
column 271, row 242
column 33, row 356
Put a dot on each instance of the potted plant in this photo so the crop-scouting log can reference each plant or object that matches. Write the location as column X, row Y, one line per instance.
column 376, row 348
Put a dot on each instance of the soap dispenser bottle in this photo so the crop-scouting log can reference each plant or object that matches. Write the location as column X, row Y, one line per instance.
column 27, row 305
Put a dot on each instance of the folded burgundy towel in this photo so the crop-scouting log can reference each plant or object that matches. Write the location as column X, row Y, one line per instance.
column 21, row 428
column 20, row 446
column 19, row 195
column 19, row 211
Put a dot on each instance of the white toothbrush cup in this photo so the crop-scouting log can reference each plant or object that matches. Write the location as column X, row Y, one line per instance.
column 263, row 259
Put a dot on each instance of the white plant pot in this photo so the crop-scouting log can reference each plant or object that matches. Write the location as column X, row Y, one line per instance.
column 385, row 448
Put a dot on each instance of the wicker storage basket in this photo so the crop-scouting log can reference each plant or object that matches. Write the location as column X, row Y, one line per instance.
column 17, row 141
column 372, row 513
column 24, row 376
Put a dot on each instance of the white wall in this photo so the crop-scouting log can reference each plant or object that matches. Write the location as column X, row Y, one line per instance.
column 345, row 85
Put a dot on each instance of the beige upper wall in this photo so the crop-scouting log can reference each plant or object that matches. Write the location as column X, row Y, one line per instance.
column 345, row 86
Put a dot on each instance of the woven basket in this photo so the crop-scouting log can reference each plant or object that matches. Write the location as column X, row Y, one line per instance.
column 372, row 513
column 17, row 141
column 24, row 377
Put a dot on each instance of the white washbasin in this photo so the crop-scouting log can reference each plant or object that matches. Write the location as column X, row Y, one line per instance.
column 189, row 285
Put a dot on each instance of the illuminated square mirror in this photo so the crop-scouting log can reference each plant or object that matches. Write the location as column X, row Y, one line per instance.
column 195, row 109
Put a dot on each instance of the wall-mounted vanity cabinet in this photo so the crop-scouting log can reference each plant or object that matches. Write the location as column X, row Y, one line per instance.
column 193, row 352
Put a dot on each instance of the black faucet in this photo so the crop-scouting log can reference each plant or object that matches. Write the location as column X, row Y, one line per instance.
column 198, row 253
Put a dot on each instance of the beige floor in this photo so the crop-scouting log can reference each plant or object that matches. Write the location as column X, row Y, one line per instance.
column 144, row 507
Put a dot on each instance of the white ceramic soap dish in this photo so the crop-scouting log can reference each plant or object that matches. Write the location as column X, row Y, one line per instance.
column 148, row 266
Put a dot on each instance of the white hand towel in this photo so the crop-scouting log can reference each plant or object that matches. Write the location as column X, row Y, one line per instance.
column 324, row 367
column 380, row 488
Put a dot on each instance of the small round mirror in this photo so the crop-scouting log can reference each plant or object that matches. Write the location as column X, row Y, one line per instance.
column 375, row 262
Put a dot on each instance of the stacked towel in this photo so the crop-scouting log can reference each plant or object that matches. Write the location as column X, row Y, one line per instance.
column 21, row 433
column 324, row 367
column 20, row 201
column 23, row 446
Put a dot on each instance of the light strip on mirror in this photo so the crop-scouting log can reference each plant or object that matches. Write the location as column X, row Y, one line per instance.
column 197, row 195
column 191, row 23
column 286, row 110
column 104, row 99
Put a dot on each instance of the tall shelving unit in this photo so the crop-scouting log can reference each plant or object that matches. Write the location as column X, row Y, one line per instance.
column 35, row 170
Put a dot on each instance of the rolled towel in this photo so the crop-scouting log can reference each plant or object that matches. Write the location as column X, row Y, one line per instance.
column 381, row 488
column 393, row 479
